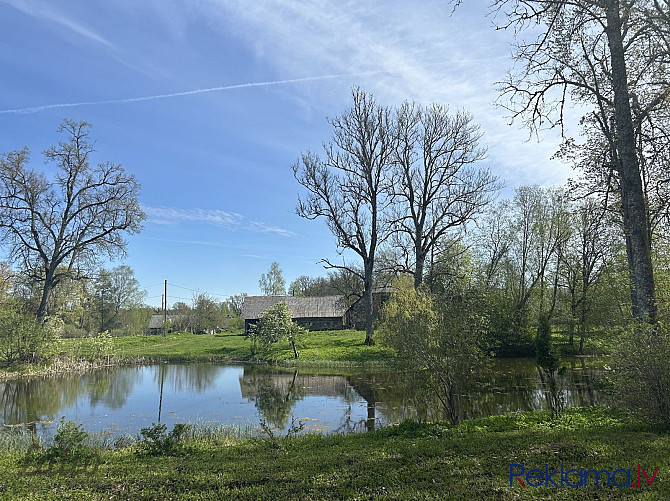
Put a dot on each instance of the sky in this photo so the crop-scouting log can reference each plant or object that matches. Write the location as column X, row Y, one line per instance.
column 210, row 102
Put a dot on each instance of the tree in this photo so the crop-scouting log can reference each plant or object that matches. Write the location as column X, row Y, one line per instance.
column 299, row 286
column 6, row 281
column 436, row 341
column 272, row 283
column 235, row 303
column 349, row 187
column 53, row 227
column 612, row 55
column 22, row 337
column 275, row 325
column 539, row 226
column 115, row 290
column 436, row 187
column 207, row 314
column 585, row 259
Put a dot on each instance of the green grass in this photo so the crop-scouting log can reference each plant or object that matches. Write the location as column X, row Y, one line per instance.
column 328, row 349
column 411, row 461
column 597, row 342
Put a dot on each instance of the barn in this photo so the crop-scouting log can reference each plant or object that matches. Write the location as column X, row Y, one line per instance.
column 312, row 313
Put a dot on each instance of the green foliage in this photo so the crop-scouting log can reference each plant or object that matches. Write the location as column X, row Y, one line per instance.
column 70, row 453
column 546, row 355
column 641, row 370
column 23, row 338
column 438, row 341
column 207, row 315
column 101, row 345
column 155, row 441
column 272, row 283
column 70, row 439
column 548, row 362
column 277, row 325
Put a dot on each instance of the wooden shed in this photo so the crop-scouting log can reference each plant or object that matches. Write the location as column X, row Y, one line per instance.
column 312, row 313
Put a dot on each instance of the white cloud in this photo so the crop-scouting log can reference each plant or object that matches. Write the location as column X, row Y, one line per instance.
column 398, row 50
column 45, row 11
column 229, row 220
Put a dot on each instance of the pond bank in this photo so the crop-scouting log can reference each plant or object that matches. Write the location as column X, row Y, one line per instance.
column 327, row 350
column 410, row 461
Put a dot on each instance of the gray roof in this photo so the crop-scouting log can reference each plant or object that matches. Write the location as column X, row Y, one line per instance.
column 301, row 307
column 156, row 321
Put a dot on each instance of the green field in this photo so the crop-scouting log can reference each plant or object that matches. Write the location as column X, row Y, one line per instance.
column 328, row 349
column 411, row 461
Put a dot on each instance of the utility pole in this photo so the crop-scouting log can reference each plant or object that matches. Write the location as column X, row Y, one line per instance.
column 165, row 304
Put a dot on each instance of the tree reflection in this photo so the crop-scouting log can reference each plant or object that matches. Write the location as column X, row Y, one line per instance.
column 274, row 394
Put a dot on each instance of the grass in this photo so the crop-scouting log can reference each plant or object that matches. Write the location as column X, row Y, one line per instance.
column 410, row 461
column 331, row 349
column 328, row 349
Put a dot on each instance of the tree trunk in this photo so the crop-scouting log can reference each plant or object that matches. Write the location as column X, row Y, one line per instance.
column 582, row 322
column 42, row 311
column 632, row 194
column 367, row 301
column 418, row 271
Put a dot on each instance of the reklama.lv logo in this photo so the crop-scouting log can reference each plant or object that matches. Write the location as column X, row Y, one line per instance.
column 576, row 477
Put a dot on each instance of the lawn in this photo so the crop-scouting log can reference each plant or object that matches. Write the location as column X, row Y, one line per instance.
column 334, row 350
column 411, row 461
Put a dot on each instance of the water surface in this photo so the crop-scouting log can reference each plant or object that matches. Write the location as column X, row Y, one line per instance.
column 125, row 399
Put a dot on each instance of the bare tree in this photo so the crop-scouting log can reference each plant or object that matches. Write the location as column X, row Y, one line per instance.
column 612, row 55
column 53, row 227
column 349, row 187
column 436, row 186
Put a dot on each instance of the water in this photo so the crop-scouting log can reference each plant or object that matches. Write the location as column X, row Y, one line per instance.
column 125, row 399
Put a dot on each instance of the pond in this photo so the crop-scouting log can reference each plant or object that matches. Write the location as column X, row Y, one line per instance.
column 125, row 399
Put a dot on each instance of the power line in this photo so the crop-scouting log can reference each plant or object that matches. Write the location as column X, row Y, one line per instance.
column 200, row 291
column 154, row 285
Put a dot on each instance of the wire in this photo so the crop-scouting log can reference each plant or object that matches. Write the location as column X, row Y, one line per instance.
column 154, row 285
column 199, row 291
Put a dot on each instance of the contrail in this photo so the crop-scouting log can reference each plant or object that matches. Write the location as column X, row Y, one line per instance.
column 36, row 109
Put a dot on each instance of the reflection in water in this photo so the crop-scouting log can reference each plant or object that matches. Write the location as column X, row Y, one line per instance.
column 274, row 395
column 126, row 399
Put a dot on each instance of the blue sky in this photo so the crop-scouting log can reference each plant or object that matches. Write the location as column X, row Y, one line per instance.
column 210, row 102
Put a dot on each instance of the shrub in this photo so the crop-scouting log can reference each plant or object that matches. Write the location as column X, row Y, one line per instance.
column 277, row 325
column 155, row 441
column 437, row 343
column 641, row 370
column 548, row 363
column 69, row 440
column 22, row 337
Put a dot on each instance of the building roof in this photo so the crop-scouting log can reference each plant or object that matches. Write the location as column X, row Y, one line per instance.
column 156, row 321
column 301, row 307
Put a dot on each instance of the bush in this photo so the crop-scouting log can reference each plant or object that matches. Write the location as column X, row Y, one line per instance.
column 641, row 370
column 70, row 453
column 22, row 337
column 437, row 342
column 276, row 325
column 155, row 441
column 548, row 363
column 72, row 331
column 69, row 440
